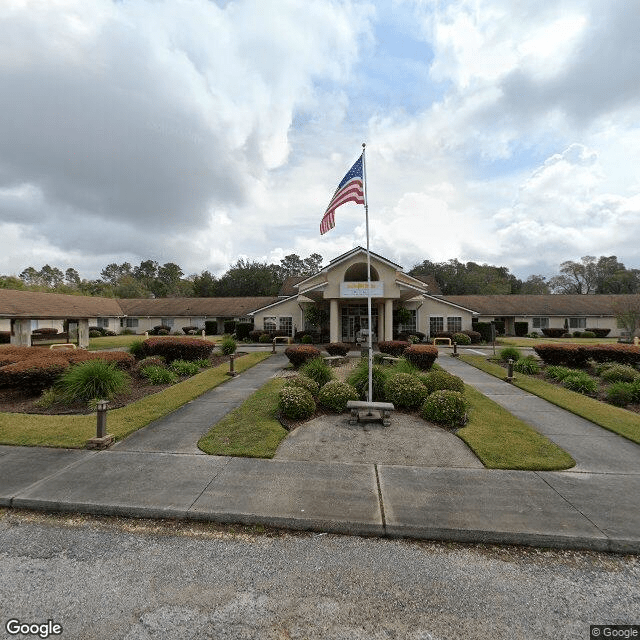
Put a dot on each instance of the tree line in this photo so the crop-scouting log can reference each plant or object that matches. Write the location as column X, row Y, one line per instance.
column 589, row 275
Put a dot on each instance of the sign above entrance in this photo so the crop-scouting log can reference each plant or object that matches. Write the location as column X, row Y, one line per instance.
column 360, row 289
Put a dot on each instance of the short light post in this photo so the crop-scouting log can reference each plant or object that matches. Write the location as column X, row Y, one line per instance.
column 510, row 370
column 232, row 371
column 273, row 350
column 455, row 349
column 102, row 439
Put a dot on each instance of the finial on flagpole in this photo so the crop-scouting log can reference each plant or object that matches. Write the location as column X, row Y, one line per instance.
column 364, row 144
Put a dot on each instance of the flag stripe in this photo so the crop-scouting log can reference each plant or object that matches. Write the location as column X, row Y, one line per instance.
column 350, row 189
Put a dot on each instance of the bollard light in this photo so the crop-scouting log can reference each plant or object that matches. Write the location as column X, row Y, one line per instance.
column 274, row 346
column 232, row 371
column 510, row 370
column 101, row 426
column 455, row 348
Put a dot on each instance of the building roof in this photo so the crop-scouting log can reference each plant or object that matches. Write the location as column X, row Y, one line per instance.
column 186, row 307
column 432, row 285
column 540, row 305
column 35, row 304
column 289, row 287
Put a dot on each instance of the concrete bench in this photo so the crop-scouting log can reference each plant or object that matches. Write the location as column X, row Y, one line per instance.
column 390, row 359
column 446, row 340
column 335, row 361
column 63, row 345
column 370, row 411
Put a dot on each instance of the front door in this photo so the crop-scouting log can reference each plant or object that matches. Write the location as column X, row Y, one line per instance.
column 355, row 322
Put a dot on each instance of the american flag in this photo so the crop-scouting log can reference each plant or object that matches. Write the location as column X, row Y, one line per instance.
column 349, row 190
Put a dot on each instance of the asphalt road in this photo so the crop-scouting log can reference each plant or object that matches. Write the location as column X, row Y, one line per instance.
column 113, row 578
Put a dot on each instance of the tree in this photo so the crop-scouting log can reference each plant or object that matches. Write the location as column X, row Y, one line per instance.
column 576, row 277
column 30, row 276
column 627, row 313
column 169, row 283
column 534, row 285
column 204, row 285
column 246, row 278
column 129, row 287
column 613, row 277
column 113, row 272
column 72, row 278
column 146, row 272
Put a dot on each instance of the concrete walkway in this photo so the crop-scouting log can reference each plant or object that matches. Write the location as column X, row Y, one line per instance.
column 595, row 507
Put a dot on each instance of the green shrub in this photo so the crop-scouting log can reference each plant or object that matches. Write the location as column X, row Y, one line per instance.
column 296, row 403
column 359, row 379
column 243, row 329
column 299, row 354
column 581, row 382
column 317, row 369
column 264, row 338
column 185, row 368
column 305, row 383
column 566, row 355
column 635, row 391
column 158, row 375
column 461, row 338
column 510, row 353
column 33, row 374
column 521, row 328
column 335, row 395
column 136, row 349
column 203, row 363
column 421, row 356
column 527, row 364
column 307, row 339
column 338, row 349
column 620, row 394
column 178, row 348
column 588, row 334
column 445, row 407
column 437, row 380
column 619, row 373
column 228, row 345
column 404, row 391
column 403, row 366
column 559, row 373
column 92, row 379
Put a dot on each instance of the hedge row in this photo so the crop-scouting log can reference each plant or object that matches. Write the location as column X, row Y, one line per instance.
column 177, row 348
column 393, row 347
column 299, row 354
column 573, row 355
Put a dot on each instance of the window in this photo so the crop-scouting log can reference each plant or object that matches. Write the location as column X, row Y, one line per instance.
column 454, row 324
column 269, row 323
column 540, row 323
column 436, row 323
column 409, row 324
column 286, row 324
column 577, row 323
column 103, row 322
column 129, row 323
column 166, row 322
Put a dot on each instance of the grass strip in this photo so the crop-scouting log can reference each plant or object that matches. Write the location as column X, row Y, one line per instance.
column 502, row 441
column 74, row 431
column 624, row 423
column 252, row 430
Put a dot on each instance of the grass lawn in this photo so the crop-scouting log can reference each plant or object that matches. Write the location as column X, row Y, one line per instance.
column 113, row 342
column 74, row 431
column 620, row 421
column 511, row 341
column 252, row 430
column 502, row 441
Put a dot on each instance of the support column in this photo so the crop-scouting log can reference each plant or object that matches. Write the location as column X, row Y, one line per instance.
column 83, row 334
column 333, row 321
column 381, row 323
column 21, row 332
column 388, row 319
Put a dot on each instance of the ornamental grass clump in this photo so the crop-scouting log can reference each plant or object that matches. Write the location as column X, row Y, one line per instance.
column 318, row 370
column 404, row 391
column 158, row 375
column 559, row 373
column 528, row 365
column 620, row 393
column 359, row 379
column 445, row 407
column 184, row 367
column 305, row 383
column 92, row 379
column 581, row 382
column 335, row 395
column 228, row 346
column 296, row 403
column 619, row 373
column 510, row 353
column 438, row 379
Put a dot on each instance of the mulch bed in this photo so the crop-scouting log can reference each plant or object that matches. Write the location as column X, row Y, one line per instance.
column 16, row 401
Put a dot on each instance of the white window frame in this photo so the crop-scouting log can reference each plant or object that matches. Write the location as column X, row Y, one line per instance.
column 103, row 323
column 539, row 322
column 454, row 324
column 436, row 320
column 129, row 323
column 269, row 323
column 288, row 324
column 579, row 322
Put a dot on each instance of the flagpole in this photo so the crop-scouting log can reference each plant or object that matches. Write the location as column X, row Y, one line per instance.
column 366, row 213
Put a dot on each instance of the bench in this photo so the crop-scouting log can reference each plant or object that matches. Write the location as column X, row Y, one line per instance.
column 63, row 345
column 277, row 339
column 447, row 340
column 390, row 359
column 370, row 411
column 335, row 361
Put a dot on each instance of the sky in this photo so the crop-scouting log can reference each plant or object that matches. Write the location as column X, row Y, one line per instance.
column 197, row 132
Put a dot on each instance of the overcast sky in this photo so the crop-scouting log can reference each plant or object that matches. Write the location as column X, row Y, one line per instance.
column 199, row 132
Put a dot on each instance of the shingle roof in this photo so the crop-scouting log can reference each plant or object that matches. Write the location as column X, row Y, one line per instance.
column 34, row 304
column 288, row 287
column 432, row 285
column 539, row 305
column 211, row 307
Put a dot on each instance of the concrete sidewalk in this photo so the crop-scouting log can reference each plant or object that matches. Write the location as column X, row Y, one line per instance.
column 588, row 508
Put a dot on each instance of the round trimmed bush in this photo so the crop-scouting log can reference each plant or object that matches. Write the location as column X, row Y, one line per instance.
column 178, row 348
column 299, row 354
column 510, row 353
column 404, row 391
column 305, row 383
column 438, row 379
column 527, row 364
column 581, row 382
column 461, row 338
column 92, row 379
column 588, row 334
column 393, row 348
column 317, row 369
column 445, row 407
column 338, row 349
column 335, row 395
column 307, row 339
column 421, row 356
column 296, row 403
